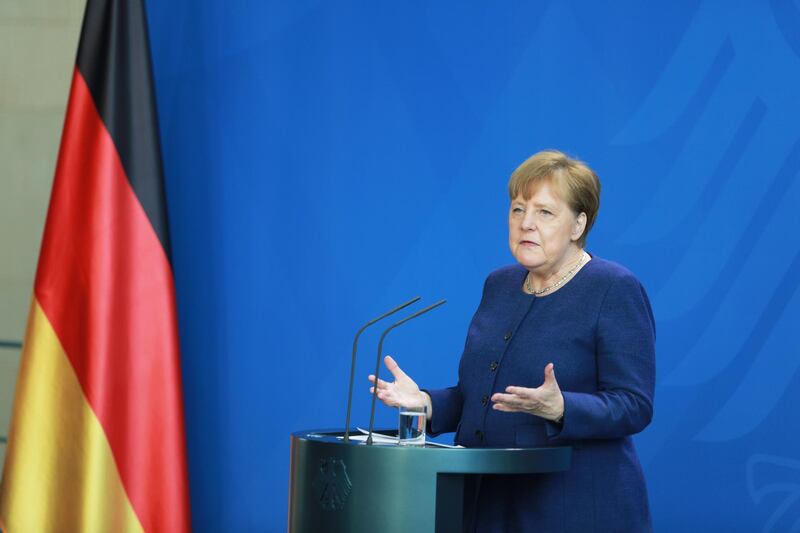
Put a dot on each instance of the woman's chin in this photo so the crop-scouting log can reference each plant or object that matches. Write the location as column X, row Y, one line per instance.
column 530, row 263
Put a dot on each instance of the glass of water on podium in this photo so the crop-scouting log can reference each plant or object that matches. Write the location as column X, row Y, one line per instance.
column 412, row 426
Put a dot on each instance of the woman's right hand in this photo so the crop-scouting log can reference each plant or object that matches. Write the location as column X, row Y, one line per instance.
column 403, row 392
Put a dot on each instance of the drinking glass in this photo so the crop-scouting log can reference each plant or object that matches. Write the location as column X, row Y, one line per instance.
column 412, row 426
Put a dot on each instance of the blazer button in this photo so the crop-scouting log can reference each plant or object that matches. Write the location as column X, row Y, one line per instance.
column 507, row 336
column 493, row 366
column 484, row 400
column 479, row 434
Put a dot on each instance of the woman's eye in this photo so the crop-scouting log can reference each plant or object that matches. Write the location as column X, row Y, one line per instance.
column 545, row 212
column 517, row 210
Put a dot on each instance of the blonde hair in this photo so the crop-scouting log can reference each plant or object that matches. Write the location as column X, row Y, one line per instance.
column 576, row 183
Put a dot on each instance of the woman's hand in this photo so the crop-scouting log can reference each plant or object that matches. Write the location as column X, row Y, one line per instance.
column 545, row 401
column 402, row 392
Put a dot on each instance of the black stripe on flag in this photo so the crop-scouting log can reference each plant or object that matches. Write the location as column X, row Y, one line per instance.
column 114, row 59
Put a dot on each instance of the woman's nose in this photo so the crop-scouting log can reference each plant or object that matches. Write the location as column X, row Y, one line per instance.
column 528, row 221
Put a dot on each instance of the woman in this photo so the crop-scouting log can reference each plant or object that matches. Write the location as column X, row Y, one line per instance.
column 559, row 353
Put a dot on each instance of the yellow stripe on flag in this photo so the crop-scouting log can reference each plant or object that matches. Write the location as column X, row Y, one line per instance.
column 59, row 474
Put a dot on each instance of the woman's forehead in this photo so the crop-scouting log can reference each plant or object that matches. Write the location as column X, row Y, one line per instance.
column 540, row 191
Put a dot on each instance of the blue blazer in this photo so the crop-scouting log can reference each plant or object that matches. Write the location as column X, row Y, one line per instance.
column 599, row 332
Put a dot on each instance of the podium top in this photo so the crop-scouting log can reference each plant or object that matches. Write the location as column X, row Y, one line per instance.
column 441, row 460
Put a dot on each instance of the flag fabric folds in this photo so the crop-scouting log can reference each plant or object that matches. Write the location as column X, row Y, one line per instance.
column 97, row 433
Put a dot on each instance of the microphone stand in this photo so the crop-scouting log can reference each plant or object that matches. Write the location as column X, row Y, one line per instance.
column 353, row 362
column 378, row 363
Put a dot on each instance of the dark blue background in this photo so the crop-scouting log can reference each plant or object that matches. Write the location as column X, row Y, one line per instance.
column 327, row 160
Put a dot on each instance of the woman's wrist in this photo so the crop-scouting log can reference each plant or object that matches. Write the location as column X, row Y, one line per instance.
column 560, row 418
column 428, row 405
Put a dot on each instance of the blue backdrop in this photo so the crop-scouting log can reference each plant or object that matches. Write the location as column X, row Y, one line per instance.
column 327, row 160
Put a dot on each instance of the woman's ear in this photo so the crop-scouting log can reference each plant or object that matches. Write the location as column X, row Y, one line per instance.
column 579, row 226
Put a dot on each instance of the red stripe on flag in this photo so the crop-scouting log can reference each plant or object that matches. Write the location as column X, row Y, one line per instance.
column 106, row 286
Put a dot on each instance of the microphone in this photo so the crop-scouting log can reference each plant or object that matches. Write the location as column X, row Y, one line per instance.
column 353, row 363
column 378, row 362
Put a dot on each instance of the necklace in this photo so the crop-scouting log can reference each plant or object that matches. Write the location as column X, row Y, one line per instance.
column 557, row 283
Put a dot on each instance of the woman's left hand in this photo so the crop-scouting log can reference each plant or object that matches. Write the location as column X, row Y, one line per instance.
column 544, row 401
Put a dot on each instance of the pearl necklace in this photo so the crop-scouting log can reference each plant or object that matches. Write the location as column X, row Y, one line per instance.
column 557, row 283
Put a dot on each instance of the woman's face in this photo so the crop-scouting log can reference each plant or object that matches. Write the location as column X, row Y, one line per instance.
column 541, row 230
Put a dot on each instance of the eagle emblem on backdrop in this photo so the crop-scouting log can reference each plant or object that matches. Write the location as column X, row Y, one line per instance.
column 725, row 106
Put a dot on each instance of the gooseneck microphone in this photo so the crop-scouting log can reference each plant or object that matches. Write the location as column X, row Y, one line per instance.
column 378, row 362
column 353, row 363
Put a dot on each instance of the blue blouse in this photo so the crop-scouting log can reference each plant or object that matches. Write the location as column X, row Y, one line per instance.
column 598, row 331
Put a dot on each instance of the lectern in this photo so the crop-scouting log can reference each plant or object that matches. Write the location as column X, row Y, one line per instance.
column 352, row 487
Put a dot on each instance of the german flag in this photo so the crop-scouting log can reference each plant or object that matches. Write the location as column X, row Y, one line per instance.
column 97, row 435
